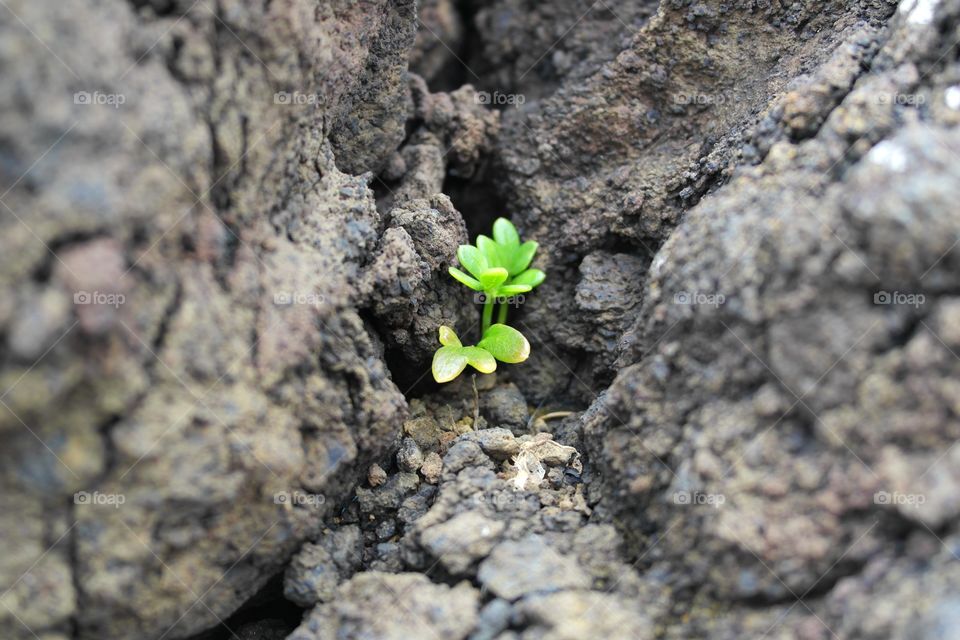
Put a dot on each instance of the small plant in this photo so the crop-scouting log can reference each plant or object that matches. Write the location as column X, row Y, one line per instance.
column 497, row 268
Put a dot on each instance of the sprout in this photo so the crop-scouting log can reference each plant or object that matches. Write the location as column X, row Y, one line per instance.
column 453, row 357
column 499, row 268
column 500, row 342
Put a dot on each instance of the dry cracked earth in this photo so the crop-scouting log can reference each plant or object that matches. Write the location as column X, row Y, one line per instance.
column 224, row 234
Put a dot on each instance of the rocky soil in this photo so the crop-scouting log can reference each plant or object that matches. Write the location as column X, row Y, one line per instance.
column 224, row 230
column 477, row 533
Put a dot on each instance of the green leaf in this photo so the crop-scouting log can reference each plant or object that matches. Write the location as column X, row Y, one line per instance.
column 493, row 278
column 513, row 289
column 530, row 277
column 460, row 276
column 448, row 337
column 522, row 257
column 488, row 247
column 472, row 259
column 506, row 344
column 448, row 362
column 480, row 359
column 505, row 233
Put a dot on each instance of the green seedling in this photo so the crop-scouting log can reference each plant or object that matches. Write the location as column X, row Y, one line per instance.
column 498, row 268
column 501, row 342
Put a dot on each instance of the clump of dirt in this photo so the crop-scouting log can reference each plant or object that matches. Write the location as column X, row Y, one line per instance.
column 478, row 527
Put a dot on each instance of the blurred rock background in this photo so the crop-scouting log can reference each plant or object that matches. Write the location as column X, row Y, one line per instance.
column 224, row 231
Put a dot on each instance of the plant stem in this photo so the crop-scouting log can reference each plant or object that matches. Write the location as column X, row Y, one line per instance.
column 487, row 313
column 502, row 313
column 476, row 403
column 555, row 414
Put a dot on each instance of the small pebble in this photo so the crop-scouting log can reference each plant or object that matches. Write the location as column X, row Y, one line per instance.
column 424, row 430
column 386, row 529
column 505, row 405
column 463, row 454
column 409, row 457
column 376, row 476
column 432, row 467
column 498, row 443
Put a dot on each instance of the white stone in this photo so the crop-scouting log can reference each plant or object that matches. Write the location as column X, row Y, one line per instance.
column 952, row 97
column 890, row 155
column 919, row 12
